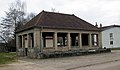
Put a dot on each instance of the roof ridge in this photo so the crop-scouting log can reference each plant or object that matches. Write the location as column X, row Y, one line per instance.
column 58, row 13
column 39, row 17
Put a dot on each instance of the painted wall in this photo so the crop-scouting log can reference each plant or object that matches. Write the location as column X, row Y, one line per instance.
column 106, row 37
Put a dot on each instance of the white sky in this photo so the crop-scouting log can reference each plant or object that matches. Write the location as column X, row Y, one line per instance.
column 106, row 12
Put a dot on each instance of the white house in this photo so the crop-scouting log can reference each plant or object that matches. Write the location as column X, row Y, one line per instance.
column 111, row 36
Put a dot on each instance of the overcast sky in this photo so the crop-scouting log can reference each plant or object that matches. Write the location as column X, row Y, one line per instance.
column 106, row 12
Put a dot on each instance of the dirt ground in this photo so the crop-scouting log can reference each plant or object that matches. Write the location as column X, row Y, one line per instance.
column 104, row 61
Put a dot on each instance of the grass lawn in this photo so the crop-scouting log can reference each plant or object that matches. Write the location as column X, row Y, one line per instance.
column 115, row 49
column 7, row 57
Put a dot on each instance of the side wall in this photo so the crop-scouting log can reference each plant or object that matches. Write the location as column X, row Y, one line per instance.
column 32, row 51
column 106, row 38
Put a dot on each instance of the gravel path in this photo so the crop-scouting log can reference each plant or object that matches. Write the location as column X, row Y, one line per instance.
column 104, row 61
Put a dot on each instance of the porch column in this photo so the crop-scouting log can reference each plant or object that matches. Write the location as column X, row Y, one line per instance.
column 79, row 40
column 17, row 42
column 68, row 41
column 22, row 41
column 55, row 40
column 44, row 41
column 99, row 40
column 23, row 45
column 90, row 40
column 37, row 37
column 28, row 40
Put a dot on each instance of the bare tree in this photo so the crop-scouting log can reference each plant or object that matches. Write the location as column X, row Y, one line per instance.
column 53, row 9
column 29, row 17
column 15, row 15
column 14, row 18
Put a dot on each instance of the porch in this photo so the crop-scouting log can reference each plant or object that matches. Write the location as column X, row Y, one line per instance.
column 58, row 41
column 33, row 43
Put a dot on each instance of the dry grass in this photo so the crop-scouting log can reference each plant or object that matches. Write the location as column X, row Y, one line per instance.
column 7, row 57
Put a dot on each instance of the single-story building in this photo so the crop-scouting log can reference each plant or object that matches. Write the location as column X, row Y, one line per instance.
column 50, row 32
column 111, row 36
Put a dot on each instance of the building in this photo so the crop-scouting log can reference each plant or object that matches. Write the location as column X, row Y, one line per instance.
column 51, row 32
column 110, row 36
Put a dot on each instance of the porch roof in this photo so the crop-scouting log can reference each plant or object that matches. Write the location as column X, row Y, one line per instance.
column 58, row 20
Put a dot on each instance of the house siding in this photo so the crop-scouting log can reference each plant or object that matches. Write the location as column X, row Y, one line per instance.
column 106, row 37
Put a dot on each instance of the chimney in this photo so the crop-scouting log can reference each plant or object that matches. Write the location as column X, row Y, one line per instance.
column 100, row 25
column 96, row 24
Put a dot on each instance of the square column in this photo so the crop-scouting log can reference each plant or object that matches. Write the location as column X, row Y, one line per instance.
column 17, row 42
column 99, row 40
column 79, row 40
column 37, row 38
column 55, row 40
column 22, row 41
column 68, row 41
column 23, row 45
column 90, row 40
column 28, row 40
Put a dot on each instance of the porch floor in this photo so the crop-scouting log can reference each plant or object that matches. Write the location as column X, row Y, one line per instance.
column 77, row 52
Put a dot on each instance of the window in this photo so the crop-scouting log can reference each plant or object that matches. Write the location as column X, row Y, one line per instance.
column 94, row 39
column 111, row 35
column 60, row 41
column 111, row 42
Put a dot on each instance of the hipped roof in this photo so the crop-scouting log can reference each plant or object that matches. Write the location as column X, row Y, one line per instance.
column 58, row 20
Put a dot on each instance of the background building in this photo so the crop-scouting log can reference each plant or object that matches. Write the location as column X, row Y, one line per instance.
column 111, row 36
